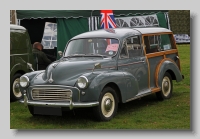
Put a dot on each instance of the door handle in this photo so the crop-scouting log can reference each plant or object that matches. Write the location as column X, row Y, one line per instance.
column 143, row 60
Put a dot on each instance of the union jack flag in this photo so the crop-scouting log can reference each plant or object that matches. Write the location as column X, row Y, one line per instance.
column 107, row 19
column 108, row 22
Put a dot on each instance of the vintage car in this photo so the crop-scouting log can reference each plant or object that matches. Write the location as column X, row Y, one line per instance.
column 21, row 58
column 102, row 68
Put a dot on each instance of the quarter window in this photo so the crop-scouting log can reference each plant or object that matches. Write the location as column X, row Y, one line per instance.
column 156, row 43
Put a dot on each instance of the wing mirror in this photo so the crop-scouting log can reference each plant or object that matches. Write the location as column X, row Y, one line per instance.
column 97, row 66
column 29, row 65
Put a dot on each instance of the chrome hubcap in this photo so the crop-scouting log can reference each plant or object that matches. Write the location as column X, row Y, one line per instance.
column 166, row 85
column 108, row 104
column 17, row 86
column 16, row 90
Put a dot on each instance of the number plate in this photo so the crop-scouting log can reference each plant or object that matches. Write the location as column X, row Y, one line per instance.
column 47, row 111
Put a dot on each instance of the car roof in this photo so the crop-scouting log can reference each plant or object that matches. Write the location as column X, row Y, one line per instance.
column 16, row 27
column 148, row 30
column 121, row 32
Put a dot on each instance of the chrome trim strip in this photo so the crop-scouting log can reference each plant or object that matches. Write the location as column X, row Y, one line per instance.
column 54, row 86
column 19, row 54
column 69, row 104
column 139, row 96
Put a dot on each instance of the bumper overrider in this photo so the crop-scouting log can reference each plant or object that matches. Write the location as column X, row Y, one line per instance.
column 69, row 103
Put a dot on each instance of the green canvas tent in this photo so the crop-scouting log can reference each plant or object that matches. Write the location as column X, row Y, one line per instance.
column 73, row 22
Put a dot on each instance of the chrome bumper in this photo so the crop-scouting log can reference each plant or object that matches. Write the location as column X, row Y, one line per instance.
column 69, row 104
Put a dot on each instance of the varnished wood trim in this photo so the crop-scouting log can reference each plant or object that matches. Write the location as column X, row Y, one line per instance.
column 147, row 61
column 164, row 56
column 171, row 51
column 148, row 72
column 154, row 90
column 157, row 70
column 155, row 54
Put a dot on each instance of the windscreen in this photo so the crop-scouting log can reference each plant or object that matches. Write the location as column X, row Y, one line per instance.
column 95, row 46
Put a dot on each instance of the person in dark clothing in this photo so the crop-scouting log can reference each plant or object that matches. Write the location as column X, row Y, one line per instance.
column 41, row 59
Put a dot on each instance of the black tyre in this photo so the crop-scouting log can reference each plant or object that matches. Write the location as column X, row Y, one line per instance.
column 108, row 105
column 166, row 87
column 15, row 93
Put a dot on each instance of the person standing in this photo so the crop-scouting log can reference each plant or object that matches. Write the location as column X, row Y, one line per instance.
column 41, row 59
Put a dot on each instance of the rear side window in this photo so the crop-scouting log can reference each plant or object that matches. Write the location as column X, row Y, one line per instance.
column 156, row 43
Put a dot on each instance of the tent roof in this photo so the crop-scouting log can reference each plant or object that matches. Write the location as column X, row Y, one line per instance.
column 34, row 14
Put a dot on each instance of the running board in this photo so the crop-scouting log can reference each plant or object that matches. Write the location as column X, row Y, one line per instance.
column 139, row 95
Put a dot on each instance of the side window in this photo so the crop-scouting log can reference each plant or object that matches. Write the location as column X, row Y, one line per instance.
column 156, row 43
column 152, row 43
column 166, row 42
column 133, row 46
column 124, row 53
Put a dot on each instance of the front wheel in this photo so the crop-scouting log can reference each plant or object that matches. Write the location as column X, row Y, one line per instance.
column 108, row 104
column 15, row 93
column 166, row 87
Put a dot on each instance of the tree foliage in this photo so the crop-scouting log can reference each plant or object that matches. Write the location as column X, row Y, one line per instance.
column 179, row 21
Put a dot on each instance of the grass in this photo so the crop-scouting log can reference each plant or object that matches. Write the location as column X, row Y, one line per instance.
column 146, row 113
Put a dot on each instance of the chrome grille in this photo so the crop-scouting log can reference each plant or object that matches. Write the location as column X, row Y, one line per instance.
column 51, row 94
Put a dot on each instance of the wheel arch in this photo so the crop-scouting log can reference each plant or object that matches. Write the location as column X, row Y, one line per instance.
column 115, row 79
column 116, row 88
column 16, row 69
column 167, row 65
column 20, row 72
column 173, row 76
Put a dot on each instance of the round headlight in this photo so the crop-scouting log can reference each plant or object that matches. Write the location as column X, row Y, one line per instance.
column 24, row 81
column 82, row 82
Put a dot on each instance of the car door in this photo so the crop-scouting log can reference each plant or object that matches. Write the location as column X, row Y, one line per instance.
column 133, row 62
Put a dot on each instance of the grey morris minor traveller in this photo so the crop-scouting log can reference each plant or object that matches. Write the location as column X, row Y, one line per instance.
column 102, row 68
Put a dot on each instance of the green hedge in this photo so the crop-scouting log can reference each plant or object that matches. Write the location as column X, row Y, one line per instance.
column 180, row 21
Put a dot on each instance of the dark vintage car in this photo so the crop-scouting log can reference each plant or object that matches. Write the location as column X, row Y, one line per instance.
column 21, row 58
column 102, row 68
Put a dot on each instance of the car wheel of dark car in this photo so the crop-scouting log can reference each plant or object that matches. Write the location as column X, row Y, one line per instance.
column 108, row 104
column 166, row 87
column 15, row 93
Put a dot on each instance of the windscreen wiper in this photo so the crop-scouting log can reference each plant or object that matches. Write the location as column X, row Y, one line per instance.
column 74, row 55
column 94, row 54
